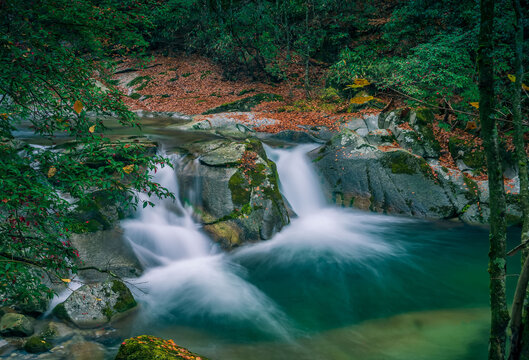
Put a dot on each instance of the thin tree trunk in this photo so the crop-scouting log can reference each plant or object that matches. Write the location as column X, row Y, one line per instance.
column 489, row 134
column 519, row 327
column 307, row 53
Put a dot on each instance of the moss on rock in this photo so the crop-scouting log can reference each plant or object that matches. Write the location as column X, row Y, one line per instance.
column 36, row 344
column 125, row 299
column 471, row 155
column 245, row 104
column 240, row 194
column 145, row 347
column 60, row 312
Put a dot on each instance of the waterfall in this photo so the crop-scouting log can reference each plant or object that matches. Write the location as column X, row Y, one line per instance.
column 298, row 181
column 187, row 277
column 188, row 280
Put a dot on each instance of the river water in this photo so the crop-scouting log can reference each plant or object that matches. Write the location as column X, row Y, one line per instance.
column 334, row 284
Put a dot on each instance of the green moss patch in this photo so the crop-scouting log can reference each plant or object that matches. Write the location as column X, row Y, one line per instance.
column 125, row 299
column 36, row 344
column 245, row 104
column 60, row 312
column 147, row 347
column 139, row 80
column 240, row 193
column 401, row 162
column 467, row 151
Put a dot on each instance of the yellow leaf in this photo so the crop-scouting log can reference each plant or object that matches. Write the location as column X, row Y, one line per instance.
column 52, row 171
column 525, row 87
column 362, row 99
column 471, row 125
column 358, row 83
column 474, row 104
column 66, row 280
column 128, row 169
column 78, row 106
column 92, row 128
column 511, row 77
column 98, row 299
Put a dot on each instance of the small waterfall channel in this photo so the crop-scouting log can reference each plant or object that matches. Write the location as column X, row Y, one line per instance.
column 330, row 268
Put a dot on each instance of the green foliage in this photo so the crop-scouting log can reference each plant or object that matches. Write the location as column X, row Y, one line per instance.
column 49, row 54
column 440, row 68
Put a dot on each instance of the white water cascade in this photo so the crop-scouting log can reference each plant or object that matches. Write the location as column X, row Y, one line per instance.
column 188, row 279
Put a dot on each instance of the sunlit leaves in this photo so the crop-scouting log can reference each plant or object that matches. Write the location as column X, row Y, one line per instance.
column 359, row 83
column 361, row 99
column 52, row 171
column 128, row 169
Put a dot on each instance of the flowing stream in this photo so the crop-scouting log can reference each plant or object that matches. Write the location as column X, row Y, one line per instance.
column 334, row 284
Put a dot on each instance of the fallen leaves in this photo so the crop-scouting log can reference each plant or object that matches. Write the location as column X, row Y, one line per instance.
column 78, row 106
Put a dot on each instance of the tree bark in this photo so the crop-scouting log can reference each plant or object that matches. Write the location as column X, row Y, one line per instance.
column 497, row 236
column 519, row 328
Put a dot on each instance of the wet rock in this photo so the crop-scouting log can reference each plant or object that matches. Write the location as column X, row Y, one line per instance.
column 36, row 344
column 56, row 331
column 245, row 104
column 146, row 347
column 93, row 305
column 234, row 189
column 16, row 325
column 86, row 350
column 360, row 175
column 109, row 250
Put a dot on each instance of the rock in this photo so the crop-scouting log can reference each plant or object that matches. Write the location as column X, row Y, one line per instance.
column 106, row 249
column 245, row 104
column 236, row 191
column 290, row 136
column 36, row 344
column 360, row 175
column 93, row 305
column 86, row 350
column 16, row 325
column 146, row 347
column 56, row 331
column 467, row 154
column 416, row 134
column 35, row 306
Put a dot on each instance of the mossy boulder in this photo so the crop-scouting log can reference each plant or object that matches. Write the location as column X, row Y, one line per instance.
column 147, row 347
column 36, row 344
column 413, row 131
column 13, row 324
column 94, row 305
column 355, row 173
column 239, row 199
column 245, row 104
column 467, row 151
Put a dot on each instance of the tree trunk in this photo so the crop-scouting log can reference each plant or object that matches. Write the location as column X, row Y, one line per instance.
column 517, row 325
column 307, row 52
column 489, row 134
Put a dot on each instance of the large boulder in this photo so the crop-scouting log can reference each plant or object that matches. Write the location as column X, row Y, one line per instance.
column 13, row 324
column 94, row 305
column 392, row 181
column 108, row 250
column 147, row 347
column 234, row 189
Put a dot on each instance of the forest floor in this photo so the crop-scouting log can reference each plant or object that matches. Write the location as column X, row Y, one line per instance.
column 192, row 85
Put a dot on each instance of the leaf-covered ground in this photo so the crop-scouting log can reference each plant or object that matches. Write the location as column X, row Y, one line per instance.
column 193, row 84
